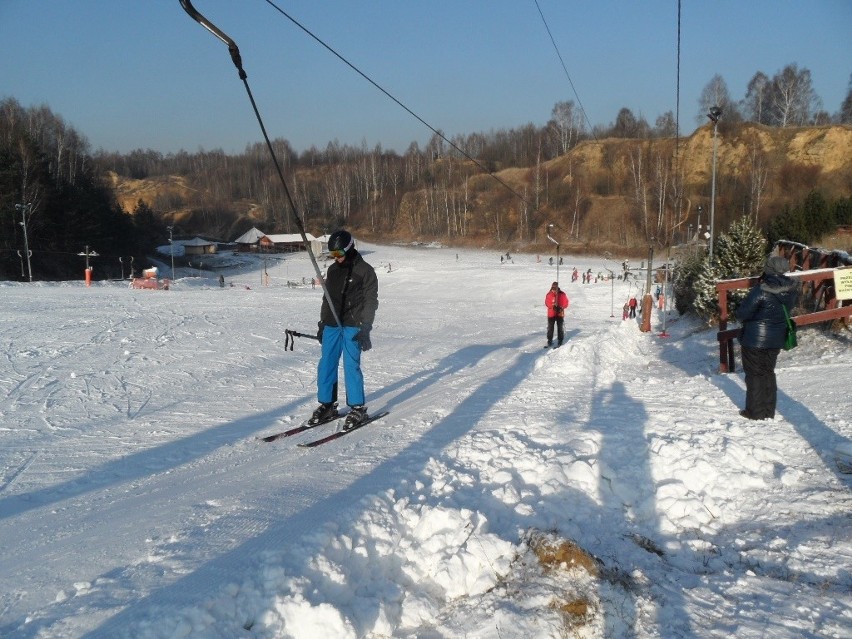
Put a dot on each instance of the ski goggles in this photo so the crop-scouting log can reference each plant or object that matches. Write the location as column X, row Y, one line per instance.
column 342, row 252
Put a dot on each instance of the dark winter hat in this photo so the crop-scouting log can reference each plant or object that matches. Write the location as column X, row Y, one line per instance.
column 554, row 285
column 340, row 243
column 776, row 265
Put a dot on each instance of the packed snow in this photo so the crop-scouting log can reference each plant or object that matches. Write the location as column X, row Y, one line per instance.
column 607, row 488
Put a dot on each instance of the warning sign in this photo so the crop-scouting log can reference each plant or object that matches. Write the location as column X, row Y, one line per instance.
column 843, row 283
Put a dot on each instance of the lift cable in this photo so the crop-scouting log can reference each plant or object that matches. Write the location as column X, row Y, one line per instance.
column 437, row 132
column 565, row 69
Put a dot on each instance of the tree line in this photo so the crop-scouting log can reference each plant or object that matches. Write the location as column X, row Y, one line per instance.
column 445, row 189
column 52, row 190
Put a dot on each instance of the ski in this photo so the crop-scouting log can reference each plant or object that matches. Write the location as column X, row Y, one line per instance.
column 340, row 433
column 298, row 429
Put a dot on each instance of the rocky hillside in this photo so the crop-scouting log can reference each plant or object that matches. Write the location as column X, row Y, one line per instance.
column 601, row 192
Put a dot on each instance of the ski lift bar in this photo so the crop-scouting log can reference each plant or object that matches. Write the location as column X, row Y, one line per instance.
column 233, row 49
column 237, row 59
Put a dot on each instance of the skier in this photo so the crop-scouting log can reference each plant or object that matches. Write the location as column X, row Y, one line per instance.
column 353, row 288
column 556, row 302
column 632, row 303
column 761, row 314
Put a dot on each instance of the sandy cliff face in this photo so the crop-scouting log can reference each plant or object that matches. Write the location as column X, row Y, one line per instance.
column 595, row 184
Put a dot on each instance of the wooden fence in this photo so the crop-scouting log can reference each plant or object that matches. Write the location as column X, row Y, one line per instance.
column 814, row 268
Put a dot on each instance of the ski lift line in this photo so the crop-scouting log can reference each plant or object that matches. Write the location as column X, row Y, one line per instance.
column 401, row 104
column 565, row 69
column 237, row 60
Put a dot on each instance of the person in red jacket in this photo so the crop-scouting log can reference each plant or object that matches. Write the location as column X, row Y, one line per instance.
column 556, row 302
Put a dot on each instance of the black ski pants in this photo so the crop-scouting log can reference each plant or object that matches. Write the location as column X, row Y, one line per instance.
column 761, row 385
column 560, row 331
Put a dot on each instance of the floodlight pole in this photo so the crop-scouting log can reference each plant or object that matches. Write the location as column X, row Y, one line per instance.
column 714, row 115
column 172, row 249
column 24, row 209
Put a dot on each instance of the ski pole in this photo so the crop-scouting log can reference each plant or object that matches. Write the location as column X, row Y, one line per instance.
column 289, row 335
column 237, row 60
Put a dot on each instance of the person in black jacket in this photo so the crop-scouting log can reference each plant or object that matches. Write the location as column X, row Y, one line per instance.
column 354, row 291
column 764, row 328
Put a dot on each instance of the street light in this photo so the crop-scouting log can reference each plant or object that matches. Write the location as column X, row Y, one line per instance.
column 24, row 209
column 172, row 251
column 714, row 115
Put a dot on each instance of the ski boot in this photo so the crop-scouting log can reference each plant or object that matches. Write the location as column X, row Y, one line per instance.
column 356, row 415
column 324, row 413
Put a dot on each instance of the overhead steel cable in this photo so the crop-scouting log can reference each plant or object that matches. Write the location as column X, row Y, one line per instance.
column 565, row 69
column 400, row 103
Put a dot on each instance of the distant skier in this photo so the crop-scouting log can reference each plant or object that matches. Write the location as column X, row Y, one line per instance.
column 556, row 302
column 354, row 291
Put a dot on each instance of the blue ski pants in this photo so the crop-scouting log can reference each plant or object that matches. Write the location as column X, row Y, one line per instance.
column 338, row 341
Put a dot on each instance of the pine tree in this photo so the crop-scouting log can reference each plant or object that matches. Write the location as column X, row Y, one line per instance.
column 683, row 283
column 706, row 304
column 741, row 252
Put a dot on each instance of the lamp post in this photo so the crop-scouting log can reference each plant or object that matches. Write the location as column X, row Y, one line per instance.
column 714, row 115
column 549, row 230
column 24, row 209
column 698, row 225
column 172, row 250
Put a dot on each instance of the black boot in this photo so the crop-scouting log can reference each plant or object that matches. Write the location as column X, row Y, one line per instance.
column 324, row 413
column 356, row 415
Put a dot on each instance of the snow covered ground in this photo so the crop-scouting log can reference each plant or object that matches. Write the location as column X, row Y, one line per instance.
column 608, row 488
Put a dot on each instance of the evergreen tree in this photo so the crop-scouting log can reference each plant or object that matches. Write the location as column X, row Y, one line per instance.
column 741, row 252
column 817, row 217
column 787, row 225
column 842, row 211
column 684, row 278
column 705, row 303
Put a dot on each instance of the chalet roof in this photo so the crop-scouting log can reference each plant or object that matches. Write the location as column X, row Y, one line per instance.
column 250, row 237
column 290, row 238
column 197, row 241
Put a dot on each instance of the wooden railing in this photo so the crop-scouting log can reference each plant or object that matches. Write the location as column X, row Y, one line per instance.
column 817, row 294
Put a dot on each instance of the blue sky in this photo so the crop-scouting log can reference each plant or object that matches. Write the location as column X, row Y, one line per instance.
column 133, row 74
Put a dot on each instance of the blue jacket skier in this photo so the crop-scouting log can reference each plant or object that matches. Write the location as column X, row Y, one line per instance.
column 354, row 290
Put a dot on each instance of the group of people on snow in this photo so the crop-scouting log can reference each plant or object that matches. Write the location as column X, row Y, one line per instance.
column 349, row 308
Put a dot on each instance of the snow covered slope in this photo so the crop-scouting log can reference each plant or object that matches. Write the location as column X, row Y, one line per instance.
column 136, row 500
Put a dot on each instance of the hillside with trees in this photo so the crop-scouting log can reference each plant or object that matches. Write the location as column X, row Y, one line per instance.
column 781, row 159
column 613, row 193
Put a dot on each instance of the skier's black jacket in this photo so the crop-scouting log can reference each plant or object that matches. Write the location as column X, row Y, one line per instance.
column 354, row 290
column 760, row 313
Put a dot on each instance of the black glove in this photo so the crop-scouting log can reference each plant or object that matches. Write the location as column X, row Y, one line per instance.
column 363, row 338
column 320, row 327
